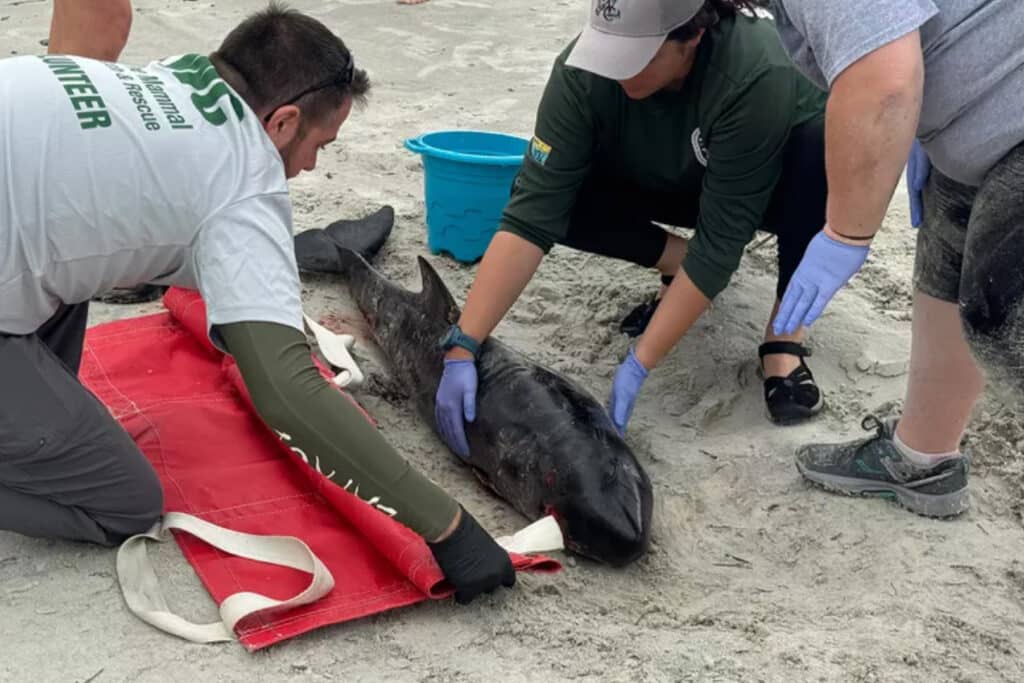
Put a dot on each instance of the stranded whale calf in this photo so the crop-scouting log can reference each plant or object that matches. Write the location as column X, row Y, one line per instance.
column 539, row 440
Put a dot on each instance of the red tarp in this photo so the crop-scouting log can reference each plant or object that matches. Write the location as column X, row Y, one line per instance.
column 185, row 405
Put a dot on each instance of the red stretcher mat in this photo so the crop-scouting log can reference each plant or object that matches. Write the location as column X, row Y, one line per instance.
column 185, row 405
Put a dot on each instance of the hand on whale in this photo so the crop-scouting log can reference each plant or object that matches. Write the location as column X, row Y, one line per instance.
column 456, row 400
column 539, row 440
column 628, row 379
column 316, row 250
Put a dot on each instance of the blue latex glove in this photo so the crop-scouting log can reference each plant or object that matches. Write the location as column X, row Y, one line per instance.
column 628, row 379
column 918, row 170
column 456, row 398
column 827, row 265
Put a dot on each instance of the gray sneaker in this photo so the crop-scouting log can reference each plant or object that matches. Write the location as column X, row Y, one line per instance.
column 875, row 467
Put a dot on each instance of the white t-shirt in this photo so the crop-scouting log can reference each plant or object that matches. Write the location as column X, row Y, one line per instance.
column 113, row 176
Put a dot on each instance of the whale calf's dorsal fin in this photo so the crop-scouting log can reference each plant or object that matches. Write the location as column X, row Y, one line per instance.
column 437, row 300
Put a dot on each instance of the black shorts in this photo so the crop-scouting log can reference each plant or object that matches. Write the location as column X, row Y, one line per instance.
column 615, row 220
column 970, row 229
column 970, row 251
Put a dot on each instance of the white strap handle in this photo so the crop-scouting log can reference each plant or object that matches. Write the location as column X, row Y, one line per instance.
column 142, row 592
column 145, row 599
column 335, row 348
column 543, row 536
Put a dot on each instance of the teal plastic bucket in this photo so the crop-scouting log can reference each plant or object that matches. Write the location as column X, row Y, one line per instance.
column 467, row 180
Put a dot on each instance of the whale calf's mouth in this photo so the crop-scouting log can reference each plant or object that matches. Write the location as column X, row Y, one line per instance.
column 614, row 531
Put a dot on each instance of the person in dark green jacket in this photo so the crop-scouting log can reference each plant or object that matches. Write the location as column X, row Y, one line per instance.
column 685, row 112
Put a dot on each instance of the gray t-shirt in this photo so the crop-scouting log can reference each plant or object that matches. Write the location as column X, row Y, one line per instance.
column 973, row 109
column 114, row 176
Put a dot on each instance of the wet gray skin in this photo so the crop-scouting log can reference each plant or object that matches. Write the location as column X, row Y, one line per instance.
column 539, row 440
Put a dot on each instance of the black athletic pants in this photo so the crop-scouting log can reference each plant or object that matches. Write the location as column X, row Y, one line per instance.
column 614, row 220
column 67, row 468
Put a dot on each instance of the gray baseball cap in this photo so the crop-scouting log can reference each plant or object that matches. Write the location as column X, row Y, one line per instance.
column 623, row 36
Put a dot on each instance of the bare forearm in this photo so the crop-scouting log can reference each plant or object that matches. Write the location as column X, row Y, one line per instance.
column 506, row 269
column 97, row 29
column 871, row 120
column 680, row 308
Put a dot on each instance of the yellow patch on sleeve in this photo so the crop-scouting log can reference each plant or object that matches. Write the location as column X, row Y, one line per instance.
column 539, row 150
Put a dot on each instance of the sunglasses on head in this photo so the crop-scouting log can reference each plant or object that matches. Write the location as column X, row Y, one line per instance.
column 341, row 80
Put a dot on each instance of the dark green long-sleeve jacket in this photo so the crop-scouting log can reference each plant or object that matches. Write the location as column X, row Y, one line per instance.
column 721, row 137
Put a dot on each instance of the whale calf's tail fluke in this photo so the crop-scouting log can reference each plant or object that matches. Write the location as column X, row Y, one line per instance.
column 316, row 251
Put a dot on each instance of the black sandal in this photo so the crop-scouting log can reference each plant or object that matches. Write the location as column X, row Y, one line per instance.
column 794, row 398
column 637, row 320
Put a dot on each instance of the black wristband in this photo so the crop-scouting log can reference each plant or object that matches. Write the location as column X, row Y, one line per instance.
column 850, row 237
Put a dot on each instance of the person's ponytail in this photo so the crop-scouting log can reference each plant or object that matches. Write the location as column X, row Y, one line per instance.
column 711, row 13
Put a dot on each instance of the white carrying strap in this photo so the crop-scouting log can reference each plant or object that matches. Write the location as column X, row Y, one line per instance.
column 335, row 348
column 543, row 536
column 144, row 598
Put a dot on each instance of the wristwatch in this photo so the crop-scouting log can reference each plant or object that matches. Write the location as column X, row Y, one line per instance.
column 456, row 337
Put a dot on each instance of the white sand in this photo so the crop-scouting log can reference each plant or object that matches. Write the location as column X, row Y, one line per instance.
column 752, row 575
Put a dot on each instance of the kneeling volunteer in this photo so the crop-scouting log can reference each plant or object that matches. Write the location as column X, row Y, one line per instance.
column 176, row 174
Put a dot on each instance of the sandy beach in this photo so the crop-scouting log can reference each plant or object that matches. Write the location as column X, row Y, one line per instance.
column 752, row 575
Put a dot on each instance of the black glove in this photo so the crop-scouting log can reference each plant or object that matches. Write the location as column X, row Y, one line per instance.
column 472, row 562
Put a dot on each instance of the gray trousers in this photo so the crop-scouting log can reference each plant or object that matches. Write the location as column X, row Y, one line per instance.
column 67, row 468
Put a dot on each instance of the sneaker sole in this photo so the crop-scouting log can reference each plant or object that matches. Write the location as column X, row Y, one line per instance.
column 926, row 505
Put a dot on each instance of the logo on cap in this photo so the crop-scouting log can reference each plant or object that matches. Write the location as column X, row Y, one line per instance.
column 607, row 10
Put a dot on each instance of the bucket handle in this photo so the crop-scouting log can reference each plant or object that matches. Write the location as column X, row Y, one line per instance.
column 415, row 145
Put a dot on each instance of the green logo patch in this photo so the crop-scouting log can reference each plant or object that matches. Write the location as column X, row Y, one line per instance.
column 213, row 98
